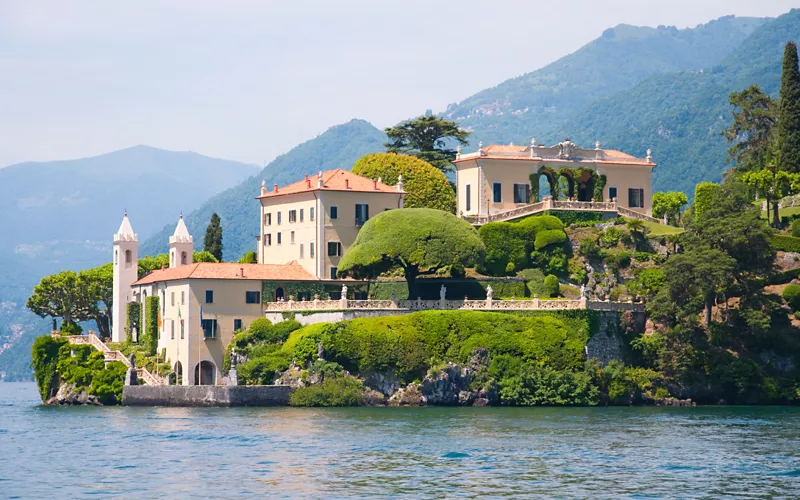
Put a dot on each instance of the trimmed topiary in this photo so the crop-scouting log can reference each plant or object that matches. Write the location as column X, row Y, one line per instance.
column 551, row 286
column 796, row 228
column 549, row 237
column 791, row 294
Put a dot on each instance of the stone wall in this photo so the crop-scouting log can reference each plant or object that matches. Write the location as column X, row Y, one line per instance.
column 311, row 318
column 607, row 343
column 205, row 395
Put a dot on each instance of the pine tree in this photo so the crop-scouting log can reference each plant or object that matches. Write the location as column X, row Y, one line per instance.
column 212, row 242
column 789, row 112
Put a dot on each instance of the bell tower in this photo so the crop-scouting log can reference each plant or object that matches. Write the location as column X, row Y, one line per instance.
column 126, row 272
column 181, row 246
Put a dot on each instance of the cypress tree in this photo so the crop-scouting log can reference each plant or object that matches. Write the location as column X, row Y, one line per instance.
column 212, row 242
column 789, row 112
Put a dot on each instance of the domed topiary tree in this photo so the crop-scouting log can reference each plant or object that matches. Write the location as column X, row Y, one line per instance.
column 418, row 240
column 427, row 186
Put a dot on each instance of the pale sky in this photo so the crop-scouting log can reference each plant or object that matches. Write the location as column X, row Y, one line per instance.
column 248, row 80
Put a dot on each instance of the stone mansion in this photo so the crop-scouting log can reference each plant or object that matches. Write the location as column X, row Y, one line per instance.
column 306, row 227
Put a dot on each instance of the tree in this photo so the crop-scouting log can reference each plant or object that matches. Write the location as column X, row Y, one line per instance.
column 669, row 204
column 752, row 129
column 426, row 186
column 426, row 137
column 772, row 184
column 249, row 258
column 204, row 256
column 789, row 112
column 212, row 243
column 99, row 284
column 61, row 295
column 149, row 263
column 417, row 240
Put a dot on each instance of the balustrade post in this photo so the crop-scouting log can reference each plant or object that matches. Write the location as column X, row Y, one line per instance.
column 316, row 301
column 584, row 302
column 535, row 301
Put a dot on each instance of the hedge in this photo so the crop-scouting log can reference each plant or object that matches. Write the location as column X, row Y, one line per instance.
column 568, row 217
column 456, row 289
column 786, row 243
column 704, row 194
column 151, row 306
column 549, row 237
column 791, row 294
column 509, row 244
column 134, row 320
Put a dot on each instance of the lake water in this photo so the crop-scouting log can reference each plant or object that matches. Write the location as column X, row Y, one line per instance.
column 709, row 452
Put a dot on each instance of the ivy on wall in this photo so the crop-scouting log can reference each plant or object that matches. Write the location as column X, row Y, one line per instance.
column 150, row 339
column 134, row 320
column 599, row 185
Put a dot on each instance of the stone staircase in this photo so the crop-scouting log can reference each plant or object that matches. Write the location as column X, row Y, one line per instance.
column 109, row 355
column 550, row 204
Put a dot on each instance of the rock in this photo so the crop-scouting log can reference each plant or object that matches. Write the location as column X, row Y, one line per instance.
column 68, row 395
column 444, row 386
column 675, row 402
column 466, row 398
column 480, row 402
column 374, row 398
column 479, row 359
column 292, row 377
column 408, row 396
column 385, row 383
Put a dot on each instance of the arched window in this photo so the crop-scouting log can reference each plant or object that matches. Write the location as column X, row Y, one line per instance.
column 116, row 256
column 127, row 256
column 205, row 373
column 183, row 258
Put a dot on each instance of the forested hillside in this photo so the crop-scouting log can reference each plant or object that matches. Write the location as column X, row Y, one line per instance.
column 680, row 116
column 535, row 103
column 338, row 147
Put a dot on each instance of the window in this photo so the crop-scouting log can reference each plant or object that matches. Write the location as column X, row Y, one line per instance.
column 267, row 219
column 334, row 213
column 237, row 325
column 181, row 328
column 209, row 296
column 128, row 257
column 522, row 193
column 279, row 218
column 279, row 238
column 334, row 249
column 172, row 330
column 469, row 197
column 311, row 250
column 612, row 193
column 209, row 328
column 301, row 250
column 301, row 215
column 362, row 213
column 291, row 237
column 292, row 216
column 268, row 239
column 497, row 192
column 252, row 297
column 172, row 298
column 183, row 298
column 636, row 198
column 183, row 258
column 311, row 214
column 334, row 270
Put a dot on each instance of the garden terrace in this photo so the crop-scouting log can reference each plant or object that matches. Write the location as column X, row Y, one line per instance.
column 548, row 204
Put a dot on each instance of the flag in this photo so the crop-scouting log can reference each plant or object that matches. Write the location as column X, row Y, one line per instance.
column 159, row 318
column 179, row 313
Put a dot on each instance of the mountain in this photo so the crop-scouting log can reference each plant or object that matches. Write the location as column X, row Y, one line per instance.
column 338, row 147
column 61, row 215
column 681, row 115
column 535, row 103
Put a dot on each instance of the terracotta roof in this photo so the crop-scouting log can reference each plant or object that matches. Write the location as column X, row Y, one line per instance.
column 334, row 180
column 229, row 270
column 613, row 153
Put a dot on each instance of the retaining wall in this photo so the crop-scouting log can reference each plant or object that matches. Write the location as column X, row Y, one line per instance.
column 205, row 395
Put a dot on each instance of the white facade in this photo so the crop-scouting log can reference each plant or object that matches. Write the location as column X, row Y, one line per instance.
column 126, row 270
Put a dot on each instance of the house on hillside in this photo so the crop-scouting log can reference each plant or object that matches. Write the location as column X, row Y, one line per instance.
column 500, row 178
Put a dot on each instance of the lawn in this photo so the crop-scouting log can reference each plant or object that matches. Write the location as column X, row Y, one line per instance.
column 655, row 229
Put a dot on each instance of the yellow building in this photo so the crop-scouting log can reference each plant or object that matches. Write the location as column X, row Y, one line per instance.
column 314, row 221
column 498, row 178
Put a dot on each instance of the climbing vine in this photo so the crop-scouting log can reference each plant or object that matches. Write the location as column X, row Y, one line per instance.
column 599, row 186
column 552, row 179
column 569, row 175
column 151, row 327
column 534, row 178
column 45, row 363
column 134, row 320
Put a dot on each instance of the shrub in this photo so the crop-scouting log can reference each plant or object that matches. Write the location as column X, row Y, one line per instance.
column 249, row 258
column 796, row 228
column 589, row 249
column 791, row 294
column 71, row 329
column 610, row 237
column 107, row 383
column 532, row 384
column 259, row 328
column 340, row 391
column 623, row 259
column 457, row 271
column 786, row 243
column 551, row 286
column 551, row 260
column 261, row 370
column 45, row 361
column 704, row 194
column 568, row 217
column 549, row 237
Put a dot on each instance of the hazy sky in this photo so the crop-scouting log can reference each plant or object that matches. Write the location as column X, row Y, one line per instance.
column 248, row 80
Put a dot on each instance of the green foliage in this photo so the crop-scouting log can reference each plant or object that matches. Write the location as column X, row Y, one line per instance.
column 261, row 369
column 107, row 383
column 45, row 362
column 669, row 204
column 551, row 286
column 788, row 136
column 249, row 258
column 704, row 195
column 212, row 242
column 647, row 282
column 204, row 256
column 428, row 289
column 796, row 228
column 610, row 237
column 339, row 391
column 568, row 217
column 513, row 242
column 623, row 259
column 786, row 243
column 425, row 185
column 418, row 240
column 133, row 317
column 150, row 338
column 752, row 127
column 532, row 384
column 427, row 137
column 551, row 260
column 791, row 294
column 148, row 263
column 549, row 237
column 589, row 248
column 623, row 384
column 599, row 186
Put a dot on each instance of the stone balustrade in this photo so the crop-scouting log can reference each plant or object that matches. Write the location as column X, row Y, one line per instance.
column 535, row 304
column 551, row 204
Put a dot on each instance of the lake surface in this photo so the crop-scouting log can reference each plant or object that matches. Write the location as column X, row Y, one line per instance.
column 709, row 452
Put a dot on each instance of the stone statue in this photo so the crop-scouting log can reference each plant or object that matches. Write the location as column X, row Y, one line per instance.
column 320, row 351
column 132, row 360
column 566, row 149
column 233, row 359
column 344, row 291
column 489, row 292
column 442, row 292
column 131, row 377
column 583, row 290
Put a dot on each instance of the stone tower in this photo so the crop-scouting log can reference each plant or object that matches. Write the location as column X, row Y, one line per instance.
column 126, row 271
column 181, row 246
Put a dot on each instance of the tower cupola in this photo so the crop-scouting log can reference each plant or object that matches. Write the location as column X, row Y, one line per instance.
column 181, row 245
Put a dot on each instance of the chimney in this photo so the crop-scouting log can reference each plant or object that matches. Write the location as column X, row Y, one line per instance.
column 162, row 266
column 399, row 182
column 263, row 188
column 319, row 180
column 308, row 183
column 375, row 184
column 275, row 187
column 241, row 272
column 347, row 183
